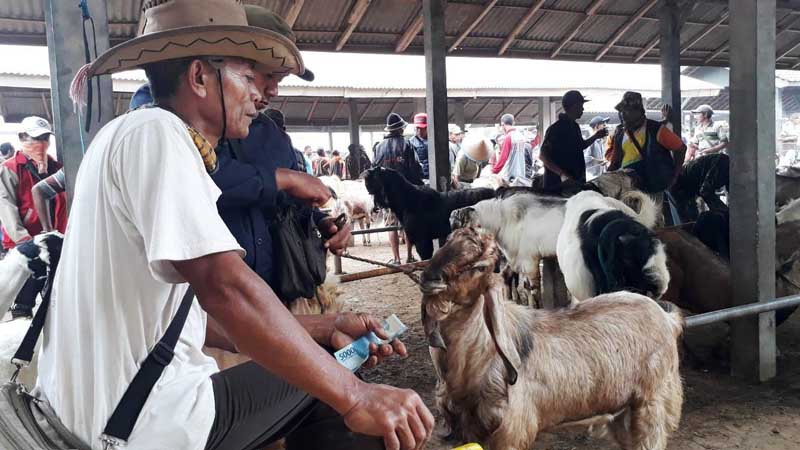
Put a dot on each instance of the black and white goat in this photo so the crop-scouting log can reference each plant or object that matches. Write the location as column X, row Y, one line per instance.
column 604, row 246
column 29, row 259
column 423, row 212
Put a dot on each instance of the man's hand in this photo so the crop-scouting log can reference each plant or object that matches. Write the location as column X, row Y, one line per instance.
column 339, row 238
column 348, row 327
column 396, row 414
column 600, row 134
column 302, row 186
column 666, row 112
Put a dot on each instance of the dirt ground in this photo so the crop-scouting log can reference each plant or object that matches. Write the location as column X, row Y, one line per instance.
column 720, row 412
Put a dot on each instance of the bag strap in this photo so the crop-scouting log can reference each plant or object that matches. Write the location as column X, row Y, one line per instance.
column 24, row 354
column 120, row 425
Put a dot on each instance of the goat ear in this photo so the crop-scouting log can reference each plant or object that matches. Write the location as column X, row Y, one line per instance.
column 503, row 343
column 432, row 331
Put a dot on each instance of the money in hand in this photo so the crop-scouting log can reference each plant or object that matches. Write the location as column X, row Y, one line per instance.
column 356, row 354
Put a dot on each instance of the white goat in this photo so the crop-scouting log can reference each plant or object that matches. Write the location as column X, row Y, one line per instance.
column 789, row 212
column 525, row 225
column 594, row 228
column 507, row 372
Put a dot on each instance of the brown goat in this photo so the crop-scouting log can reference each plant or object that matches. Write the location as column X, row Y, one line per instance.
column 507, row 372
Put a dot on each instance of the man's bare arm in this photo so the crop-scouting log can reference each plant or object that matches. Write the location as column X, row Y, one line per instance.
column 260, row 327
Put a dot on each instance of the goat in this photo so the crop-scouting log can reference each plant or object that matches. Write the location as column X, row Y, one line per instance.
column 507, row 372
column 604, row 246
column 789, row 212
column 423, row 212
column 525, row 225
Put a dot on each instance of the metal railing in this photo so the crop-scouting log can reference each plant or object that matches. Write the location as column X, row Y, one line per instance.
column 737, row 312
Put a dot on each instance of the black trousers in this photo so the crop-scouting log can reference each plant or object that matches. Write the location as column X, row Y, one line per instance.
column 255, row 408
column 26, row 299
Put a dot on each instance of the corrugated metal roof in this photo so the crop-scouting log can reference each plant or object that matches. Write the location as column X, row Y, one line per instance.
column 321, row 22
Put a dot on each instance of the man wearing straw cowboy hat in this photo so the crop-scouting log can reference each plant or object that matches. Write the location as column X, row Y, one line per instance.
column 144, row 222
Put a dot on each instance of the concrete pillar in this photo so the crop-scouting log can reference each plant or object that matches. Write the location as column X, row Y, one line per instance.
column 458, row 113
column 670, row 49
column 436, row 93
column 355, row 125
column 66, row 56
column 330, row 140
column 752, row 193
column 547, row 114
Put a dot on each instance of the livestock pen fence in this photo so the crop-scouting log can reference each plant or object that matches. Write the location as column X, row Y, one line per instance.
column 697, row 320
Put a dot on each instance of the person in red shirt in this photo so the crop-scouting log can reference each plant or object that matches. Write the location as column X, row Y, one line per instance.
column 18, row 175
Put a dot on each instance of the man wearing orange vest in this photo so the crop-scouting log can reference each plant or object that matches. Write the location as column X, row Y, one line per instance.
column 18, row 175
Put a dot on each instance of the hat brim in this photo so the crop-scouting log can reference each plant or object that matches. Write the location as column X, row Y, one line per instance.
column 421, row 125
column 398, row 126
column 270, row 51
column 36, row 132
column 307, row 75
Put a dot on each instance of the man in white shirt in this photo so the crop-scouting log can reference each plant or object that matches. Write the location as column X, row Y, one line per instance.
column 144, row 222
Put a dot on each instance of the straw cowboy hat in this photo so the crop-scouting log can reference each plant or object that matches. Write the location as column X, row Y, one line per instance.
column 173, row 29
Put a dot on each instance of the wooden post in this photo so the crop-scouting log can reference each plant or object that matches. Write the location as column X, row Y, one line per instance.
column 66, row 55
column 436, row 93
column 752, row 191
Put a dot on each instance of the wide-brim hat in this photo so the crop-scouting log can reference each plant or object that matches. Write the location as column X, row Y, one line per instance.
column 394, row 122
column 630, row 100
column 477, row 148
column 174, row 29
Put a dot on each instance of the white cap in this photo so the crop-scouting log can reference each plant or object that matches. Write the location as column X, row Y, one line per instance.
column 454, row 129
column 35, row 126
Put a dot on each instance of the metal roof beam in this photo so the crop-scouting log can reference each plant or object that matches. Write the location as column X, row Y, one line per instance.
column 519, row 26
column 336, row 111
column 356, row 14
column 480, row 111
column 313, row 108
column 294, row 12
column 784, row 53
column 525, row 106
column 706, row 31
column 725, row 46
column 588, row 16
column 411, row 32
column 472, row 25
column 624, row 29
column 779, row 4
column 364, row 113
column 647, row 48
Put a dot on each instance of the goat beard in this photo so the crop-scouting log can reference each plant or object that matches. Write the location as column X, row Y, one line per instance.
column 432, row 330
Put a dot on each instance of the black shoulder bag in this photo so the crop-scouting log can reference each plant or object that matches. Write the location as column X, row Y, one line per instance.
column 29, row 423
column 298, row 246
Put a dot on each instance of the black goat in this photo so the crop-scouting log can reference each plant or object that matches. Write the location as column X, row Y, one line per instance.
column 423, row 212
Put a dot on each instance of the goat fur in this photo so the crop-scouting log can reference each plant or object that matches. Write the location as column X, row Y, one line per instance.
column 789, row 212
column 525, row 225
column 507, row 372
column 580, row 273
column 423, row 212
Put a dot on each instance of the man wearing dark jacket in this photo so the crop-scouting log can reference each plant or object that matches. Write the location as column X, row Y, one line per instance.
column 562, row 149
column 395, row 152
column 357, row 161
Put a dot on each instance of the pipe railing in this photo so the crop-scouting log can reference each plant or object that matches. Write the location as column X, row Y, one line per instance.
column 737, row 312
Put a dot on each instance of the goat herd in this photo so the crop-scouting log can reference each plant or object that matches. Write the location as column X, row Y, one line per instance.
column 610, row 360
column 506, row 372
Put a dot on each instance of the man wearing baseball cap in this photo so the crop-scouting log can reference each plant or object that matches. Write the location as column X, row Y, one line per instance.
column 18, row 215
column 563, row 145
column 420, row 142
column 456, row 135
column 145, row 228
column 709, row 137
column 646, row 146
column 594, row 155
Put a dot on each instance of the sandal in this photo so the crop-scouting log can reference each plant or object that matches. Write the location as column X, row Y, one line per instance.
column 411, row 260
column 395, row 262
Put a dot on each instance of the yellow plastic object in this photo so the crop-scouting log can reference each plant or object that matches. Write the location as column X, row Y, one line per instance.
column 469, row 447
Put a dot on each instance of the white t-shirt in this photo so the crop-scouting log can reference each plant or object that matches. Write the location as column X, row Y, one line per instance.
column 142, row 200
